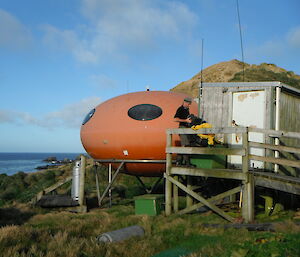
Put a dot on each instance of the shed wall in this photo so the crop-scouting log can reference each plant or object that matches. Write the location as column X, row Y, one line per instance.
column 216, row 104
column 216, row 108
column 290, row 121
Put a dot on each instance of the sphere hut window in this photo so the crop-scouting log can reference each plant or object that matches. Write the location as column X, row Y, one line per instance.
column 88, row 116
column 144, row 112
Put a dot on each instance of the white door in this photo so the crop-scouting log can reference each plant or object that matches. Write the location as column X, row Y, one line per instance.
column 248, row 110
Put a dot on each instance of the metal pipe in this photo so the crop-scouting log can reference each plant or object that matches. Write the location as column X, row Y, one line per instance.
column 121, row 234
column 109, row 182
column 277, row 123
column 128, row 161
column 97, row 184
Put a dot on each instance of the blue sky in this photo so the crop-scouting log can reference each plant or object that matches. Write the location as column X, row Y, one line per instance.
column 60, row 58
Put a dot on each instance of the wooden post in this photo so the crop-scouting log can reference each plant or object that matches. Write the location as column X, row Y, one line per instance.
column 248, row 187
column 175, row 195
column 82, row 180
column 189, row 199
column 168, row 188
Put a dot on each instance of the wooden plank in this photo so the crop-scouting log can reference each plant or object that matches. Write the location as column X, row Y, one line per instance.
column 56, row 185
column 272, row 183
column 215, row 173
column 212, row 199
column 82, row 181
column 275, row 147
column 227, row 130
column 206, row 150
column 49, row 189
column 189, row 199
column 276, row 176
column 50, row 201
column 199, row 198
column 175, row 195
column 276, row 133
column 275, row 160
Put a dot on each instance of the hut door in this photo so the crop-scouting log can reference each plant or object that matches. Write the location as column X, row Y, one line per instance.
column 248, row 110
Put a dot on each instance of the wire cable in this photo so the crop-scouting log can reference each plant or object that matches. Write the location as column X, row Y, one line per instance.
column 241, row 37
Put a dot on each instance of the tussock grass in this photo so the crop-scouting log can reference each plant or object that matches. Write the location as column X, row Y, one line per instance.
column 34, row 232
column 55, row 234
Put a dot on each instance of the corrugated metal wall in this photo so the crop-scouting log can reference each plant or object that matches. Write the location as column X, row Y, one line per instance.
column 215, row 104
column 289, row 112
column 290, row 121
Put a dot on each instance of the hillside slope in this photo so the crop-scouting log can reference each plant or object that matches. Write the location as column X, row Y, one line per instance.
column 232, row 71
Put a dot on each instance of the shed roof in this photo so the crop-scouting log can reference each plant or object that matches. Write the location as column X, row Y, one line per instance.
column 285, row 87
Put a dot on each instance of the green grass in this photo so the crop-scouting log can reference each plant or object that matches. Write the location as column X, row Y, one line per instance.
column 68, row 234
column 261, row 74
column 28, row 231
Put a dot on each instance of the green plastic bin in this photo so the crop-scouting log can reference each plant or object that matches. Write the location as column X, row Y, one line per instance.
column 149, row 204
column 207, row 161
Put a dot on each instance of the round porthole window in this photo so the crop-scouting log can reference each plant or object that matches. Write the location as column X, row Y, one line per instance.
column 144, row 112
column 88, row 116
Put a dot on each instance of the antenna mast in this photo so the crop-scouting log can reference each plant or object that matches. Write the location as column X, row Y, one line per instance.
column 241, row 38
column 201, row 81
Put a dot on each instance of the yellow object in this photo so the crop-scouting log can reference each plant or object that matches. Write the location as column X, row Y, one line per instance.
column 210, row 137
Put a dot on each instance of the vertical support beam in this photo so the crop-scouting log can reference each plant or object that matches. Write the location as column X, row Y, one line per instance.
column 248, row 194
column 277, row 123
column 112, row 181
column 168, row 188
column 175, row 195
column 189, row 199
column 109, row 182
column 97, row 183
column 82, row 180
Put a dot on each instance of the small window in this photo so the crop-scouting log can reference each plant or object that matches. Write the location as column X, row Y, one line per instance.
column 88, row 116
column 144, row 112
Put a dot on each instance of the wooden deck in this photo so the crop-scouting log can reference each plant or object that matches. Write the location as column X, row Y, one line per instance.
column 248, row 179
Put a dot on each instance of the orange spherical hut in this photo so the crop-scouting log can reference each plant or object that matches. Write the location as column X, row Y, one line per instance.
column 133, row 127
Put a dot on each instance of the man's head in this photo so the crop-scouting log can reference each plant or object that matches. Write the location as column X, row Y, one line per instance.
column 187, row 102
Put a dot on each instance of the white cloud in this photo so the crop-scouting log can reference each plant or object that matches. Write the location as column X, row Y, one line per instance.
column 293, row 37
column 116, row 27
column 70, row 116
column 103, row 81
column 13, row 34
column 273, row 49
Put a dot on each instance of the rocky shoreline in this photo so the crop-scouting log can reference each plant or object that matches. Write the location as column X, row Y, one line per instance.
column 52, row 160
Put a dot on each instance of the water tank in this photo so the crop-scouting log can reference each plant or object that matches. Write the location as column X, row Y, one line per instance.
column 76, row 181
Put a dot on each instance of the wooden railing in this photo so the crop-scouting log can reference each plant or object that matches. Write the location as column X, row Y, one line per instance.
column 245, row 175
column 279, row 148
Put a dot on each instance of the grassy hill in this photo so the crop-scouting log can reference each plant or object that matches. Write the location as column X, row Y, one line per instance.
column 232, row 71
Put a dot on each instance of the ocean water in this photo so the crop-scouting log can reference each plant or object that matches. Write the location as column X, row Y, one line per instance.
column 11, row 163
